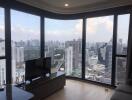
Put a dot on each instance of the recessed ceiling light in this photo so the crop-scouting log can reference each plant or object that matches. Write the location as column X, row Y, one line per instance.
column 66, row 5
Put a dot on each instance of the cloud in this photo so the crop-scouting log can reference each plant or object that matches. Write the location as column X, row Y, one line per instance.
column 2, row 31
column 54, row 32
column 58, row 35
column 96, row 27
column 21, row 30
column 91, row 26
column 78, row 27
column 2, row 28
column 108, row 23
column 24, row 33
column 94, row 24
column 24, row 30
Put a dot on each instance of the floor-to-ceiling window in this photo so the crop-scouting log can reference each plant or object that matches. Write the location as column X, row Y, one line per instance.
column 63, row 43
column 121, row 50
column 2, row 49
column 25, row 36
column 99, row 39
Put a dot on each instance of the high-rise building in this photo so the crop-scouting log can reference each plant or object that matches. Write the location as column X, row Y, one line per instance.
column 2, row 63
column 18, row 65
column 105, row 54
column 102, row 54
column 2, row 47
column 77, row 49
column 108, row 61
column 2, row 73
column 119, row 46
column 87, row 57
column 69, row 60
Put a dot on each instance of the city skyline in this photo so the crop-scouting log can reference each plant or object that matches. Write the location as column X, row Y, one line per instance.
column 74, row 70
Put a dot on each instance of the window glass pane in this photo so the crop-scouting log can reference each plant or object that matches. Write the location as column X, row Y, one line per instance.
column 2, row 73
column 120, row 70
column 25, row 34
column 64, row 45
column 2, row 33
column 99, row 32
column 122, row 33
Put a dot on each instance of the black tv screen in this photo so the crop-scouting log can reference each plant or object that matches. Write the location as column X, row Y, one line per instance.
column 37, row 67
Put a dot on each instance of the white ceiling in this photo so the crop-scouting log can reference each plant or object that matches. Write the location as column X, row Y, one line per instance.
column 75, row 6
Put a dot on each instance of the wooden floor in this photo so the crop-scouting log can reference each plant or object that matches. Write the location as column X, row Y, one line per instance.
column 76, row 90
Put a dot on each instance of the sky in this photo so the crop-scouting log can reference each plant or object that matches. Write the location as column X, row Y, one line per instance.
column 26, row 27
column 98, row 29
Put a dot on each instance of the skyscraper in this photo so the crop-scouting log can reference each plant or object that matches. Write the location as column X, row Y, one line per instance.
column 17, row 63
column 119, row 46
column 77, row 52
column 69, row 60
column 2, row 63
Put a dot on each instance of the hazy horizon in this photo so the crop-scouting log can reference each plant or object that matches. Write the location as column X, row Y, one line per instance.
column 27, row 27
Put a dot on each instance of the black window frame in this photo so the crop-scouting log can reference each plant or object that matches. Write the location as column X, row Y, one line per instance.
column 116, row 54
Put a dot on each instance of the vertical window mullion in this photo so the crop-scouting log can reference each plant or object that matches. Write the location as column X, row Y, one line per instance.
column 114, row 50
column 8, row 45
column 42, row 35
column 83, row 47
column 129, row 50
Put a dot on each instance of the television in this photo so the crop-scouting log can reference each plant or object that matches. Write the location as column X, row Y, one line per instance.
column 37, row 68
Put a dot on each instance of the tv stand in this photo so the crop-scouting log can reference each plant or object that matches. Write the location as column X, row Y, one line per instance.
column 43, row 87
